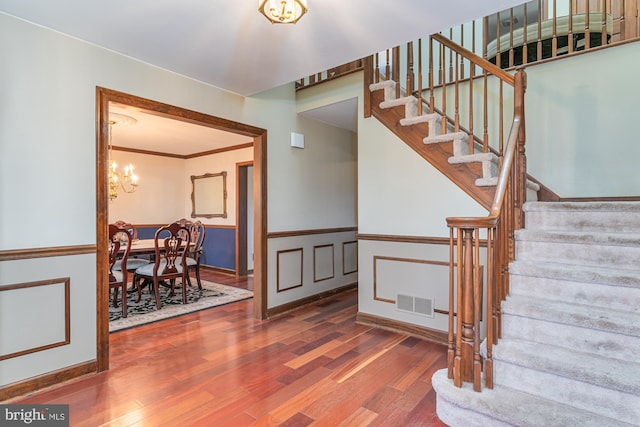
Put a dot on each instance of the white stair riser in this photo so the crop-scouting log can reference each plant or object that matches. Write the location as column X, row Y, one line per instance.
column 625, row 257
column 454, row 415
column 617, row 222
column 601, row 343
column 610, row 403
column 595, row 294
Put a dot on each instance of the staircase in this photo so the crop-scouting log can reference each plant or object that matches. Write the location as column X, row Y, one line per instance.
column 570, row 348
column 475, row 173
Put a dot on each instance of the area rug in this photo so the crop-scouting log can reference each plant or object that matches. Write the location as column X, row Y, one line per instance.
column 211, row 295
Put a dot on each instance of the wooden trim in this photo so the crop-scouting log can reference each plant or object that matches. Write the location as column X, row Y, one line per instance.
column 404, row 239
column 40, row 382
column 301, row 250
column 333, row 263
column 241, row 217
column 148, row 152
column 296, row 233
column 103, row 98
column 219, row 269
column 219, row 150
column 55, row 251
column 285, row 308
column 428, row 334
column 67, row 315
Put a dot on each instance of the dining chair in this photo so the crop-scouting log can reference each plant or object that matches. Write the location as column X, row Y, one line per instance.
column 135, row 261
column 170, row 261
column 119, row 238
column 196, row 230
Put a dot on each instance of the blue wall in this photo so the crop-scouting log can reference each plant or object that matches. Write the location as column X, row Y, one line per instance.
column 218, row 250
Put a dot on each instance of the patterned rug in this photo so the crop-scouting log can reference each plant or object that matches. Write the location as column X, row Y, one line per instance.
column 211, row 295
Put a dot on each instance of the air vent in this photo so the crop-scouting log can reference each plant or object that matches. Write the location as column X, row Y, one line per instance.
column 416, row 305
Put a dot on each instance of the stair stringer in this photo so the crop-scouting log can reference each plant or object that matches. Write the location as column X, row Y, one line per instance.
column 464, row 175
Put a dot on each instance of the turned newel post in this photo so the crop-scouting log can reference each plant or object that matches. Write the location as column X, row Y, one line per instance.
column 463, row 364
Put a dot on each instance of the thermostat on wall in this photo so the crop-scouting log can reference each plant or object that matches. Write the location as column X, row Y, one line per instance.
column 297, row 140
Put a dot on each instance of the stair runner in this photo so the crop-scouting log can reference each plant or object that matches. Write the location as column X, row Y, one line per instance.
column 570, row 348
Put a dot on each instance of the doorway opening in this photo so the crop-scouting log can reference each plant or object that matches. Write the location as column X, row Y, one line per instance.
column 105, row 97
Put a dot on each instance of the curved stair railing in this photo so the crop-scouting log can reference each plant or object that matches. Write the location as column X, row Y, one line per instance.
column 456, row 117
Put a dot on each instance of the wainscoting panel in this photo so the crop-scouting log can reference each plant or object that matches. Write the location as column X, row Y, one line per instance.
column 47, row 315
column 323, row 263
column 289, row 269
column 51, row 328
column 307, row 263
column 350, row 257
column 405, row 281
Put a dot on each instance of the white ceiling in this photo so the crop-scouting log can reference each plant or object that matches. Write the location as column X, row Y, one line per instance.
column 230, row 45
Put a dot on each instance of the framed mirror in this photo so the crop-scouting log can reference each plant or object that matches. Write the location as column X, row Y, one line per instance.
column 209, row 195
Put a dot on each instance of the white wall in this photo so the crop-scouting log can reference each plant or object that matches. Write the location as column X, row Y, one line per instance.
column 582, row 115
column 48, row 162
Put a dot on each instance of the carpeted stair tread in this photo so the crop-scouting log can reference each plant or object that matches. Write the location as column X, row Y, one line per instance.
column 398, row 102
column 614, row 374
column 477, row 157
column 581, row 237
column 506, row 406
column 425, row 118
column 621, row 217
column 584, row 316
column 436, row 139
column 581, row 273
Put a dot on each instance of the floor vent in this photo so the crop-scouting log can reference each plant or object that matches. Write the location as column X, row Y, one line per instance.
column 422, row 306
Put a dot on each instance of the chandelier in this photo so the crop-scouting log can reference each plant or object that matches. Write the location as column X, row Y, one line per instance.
column 127, row 181
column 283, row 11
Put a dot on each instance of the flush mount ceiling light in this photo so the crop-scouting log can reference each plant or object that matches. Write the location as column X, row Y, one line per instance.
column 283, row 11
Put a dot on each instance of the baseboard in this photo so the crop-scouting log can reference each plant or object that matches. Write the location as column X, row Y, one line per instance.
column 39, row 383
column 439, row 337
column 218, row 269
column 284, row 308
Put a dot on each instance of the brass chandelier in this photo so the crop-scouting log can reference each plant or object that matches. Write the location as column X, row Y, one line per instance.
column 283, row 11
column 127, row 181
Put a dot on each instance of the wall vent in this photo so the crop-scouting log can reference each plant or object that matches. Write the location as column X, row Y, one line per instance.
column 411, row 304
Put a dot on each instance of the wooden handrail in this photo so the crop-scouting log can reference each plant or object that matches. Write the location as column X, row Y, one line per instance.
column 475, row 59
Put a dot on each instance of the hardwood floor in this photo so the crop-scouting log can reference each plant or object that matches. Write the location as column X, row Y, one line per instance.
column 221, row 367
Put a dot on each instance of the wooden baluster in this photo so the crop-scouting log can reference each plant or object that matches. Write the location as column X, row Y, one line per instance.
column 498, row 47
column 410, row 75
column 623, row 20
column 587, row 29
column 395, row 68
column 387, row 69
column 511, row 49
column 539, row 43
column 485, row 37
column 485, row 102
column 490, row 309
column 419, row 77
column 461, row 57
column 570, row 35
column 431, row 100
column 450, row 57
column 525, row 43
column 370, row 74
column 604, row 23
column 443, row 86
column 554, row 36
column 501, row 117
column 456, row 100
column 472, row 72
column 477, row 310
column 521, row 159
column 450, row 336
column 457, row 360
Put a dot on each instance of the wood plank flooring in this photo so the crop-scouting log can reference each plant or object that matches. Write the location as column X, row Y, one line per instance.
column 220, row 367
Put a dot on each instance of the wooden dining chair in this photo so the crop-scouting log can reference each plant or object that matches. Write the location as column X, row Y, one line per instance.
column 134, row 262
column 119, row 248
column 196, row 230
column 170, row 261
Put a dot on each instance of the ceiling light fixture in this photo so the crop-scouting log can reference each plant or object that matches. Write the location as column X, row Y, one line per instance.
column 127, row 182
column 283, row 11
